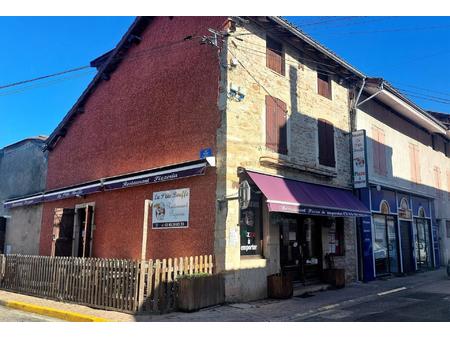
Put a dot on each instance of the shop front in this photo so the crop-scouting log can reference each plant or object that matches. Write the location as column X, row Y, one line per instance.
column 400, row 231
column 311, row 223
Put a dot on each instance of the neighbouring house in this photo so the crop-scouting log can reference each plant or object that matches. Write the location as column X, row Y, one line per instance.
column 239, row 131
column 406, row 157
column 442, row 177
column 23, row 171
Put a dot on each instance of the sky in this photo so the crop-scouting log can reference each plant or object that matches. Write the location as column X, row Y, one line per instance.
column 410, row 52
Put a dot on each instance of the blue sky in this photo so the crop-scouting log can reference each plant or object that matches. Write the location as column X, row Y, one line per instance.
column 410, row 52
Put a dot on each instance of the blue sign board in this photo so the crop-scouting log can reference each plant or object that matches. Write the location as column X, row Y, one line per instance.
column 205, row 152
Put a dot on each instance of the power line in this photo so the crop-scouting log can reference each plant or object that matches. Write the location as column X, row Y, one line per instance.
column 43, row 77
column 263, row 53
column 422, row 88
column 142, row 53
column 395, row 30
column 325, row 21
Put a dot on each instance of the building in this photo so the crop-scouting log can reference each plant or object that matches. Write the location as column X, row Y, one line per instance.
column 239, row 131
column 404, row 186
column 23, row 171
column 442, row 198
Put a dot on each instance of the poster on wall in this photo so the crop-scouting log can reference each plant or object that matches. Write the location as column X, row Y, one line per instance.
column 170, row 209
column 359, row 159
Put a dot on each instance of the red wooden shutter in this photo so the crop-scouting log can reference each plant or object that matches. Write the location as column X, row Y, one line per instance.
column 382, row 150
column 412, row 163
column 281, row 126
column 324, row 85
column 276, row 125
column 326, row 143
column 271, row 135
column 275, row 56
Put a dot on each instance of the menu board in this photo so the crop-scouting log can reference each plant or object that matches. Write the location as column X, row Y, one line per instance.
column 171, row 209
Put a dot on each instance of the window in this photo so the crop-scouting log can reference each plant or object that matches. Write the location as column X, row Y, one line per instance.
column 326, row 143
column 275, row 56
column 414, row 163
column 384, row 207
column 251, row 226
column 447, row 226
column 437, row 180
column 448, row 184
column 324, row 85
column 276, row 125
column 379, row 151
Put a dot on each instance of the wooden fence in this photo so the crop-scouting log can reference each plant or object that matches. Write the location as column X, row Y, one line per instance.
column 112, row 284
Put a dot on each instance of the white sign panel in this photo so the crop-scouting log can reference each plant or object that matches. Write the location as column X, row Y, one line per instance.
column 170, row 209
column 359, row 159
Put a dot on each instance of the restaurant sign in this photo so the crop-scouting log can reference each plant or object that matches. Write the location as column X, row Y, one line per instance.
column 359, row 151
column 171, row 209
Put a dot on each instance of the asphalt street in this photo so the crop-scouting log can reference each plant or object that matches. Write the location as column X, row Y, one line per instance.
column 12, row 315
column 428, row 303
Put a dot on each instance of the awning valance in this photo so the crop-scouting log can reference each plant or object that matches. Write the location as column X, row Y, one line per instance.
column 155, row 175
column 292, row 196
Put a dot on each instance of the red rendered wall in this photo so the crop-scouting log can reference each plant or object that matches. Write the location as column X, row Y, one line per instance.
column 119, row 217
column 158, row 108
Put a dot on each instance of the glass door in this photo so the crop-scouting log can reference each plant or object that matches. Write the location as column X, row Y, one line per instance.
column 423, row 244
column 380, row 247
column 392, row 244
column 385, row 248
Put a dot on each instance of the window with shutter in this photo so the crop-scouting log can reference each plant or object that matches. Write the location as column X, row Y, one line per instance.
column 276, row 125
column 324, row 85
column 379, row 151
column 414, row 163
column 275, row 56
column 437, row 180
column 326, row 143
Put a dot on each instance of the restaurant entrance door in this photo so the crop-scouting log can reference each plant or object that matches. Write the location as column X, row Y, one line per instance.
column 301, row 248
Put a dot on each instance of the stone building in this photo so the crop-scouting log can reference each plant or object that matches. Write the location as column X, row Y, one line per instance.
column 242, row 125
column 23, row 171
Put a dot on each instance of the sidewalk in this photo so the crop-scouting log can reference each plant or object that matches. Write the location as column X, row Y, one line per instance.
column 263, row 310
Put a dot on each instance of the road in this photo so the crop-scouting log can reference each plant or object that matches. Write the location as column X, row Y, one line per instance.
column 12, row 315
column 428, row 303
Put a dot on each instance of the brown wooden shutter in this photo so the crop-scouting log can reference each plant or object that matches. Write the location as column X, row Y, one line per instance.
column 324, row 85
column 276, row 125
column 271, row 134
column 275, row 56
column 326, row 143
column 382, row 150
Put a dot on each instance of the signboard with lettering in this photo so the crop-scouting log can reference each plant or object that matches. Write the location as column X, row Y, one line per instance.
column 171, row 209
column 359, row 149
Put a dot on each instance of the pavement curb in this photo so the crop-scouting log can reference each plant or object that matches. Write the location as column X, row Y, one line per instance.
column 51, row 312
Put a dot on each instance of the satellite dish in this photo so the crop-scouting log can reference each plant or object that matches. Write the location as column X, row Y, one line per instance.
column 244, row 194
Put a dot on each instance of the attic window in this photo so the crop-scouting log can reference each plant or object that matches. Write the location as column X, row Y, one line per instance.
column 275, row 56
column 324, row 85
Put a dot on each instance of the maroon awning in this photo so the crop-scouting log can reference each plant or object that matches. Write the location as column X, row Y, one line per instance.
column 292, row 196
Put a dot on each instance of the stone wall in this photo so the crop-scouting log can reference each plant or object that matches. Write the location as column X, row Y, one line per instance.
column 241, row 143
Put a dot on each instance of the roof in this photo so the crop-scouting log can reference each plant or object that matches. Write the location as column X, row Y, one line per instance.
column 105, row 64
column 109, row 61
column 443, row 117
column 39, row 138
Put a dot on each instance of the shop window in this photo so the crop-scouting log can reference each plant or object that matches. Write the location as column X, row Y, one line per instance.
column 324, row 85
column 275, row 56
column 251, row 225
column 326, row 143
column 447, row 226
column 276, row 125
column 421, row 212
column 379, row 151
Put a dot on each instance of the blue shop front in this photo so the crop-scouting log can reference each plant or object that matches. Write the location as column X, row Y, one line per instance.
column 400, row 236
